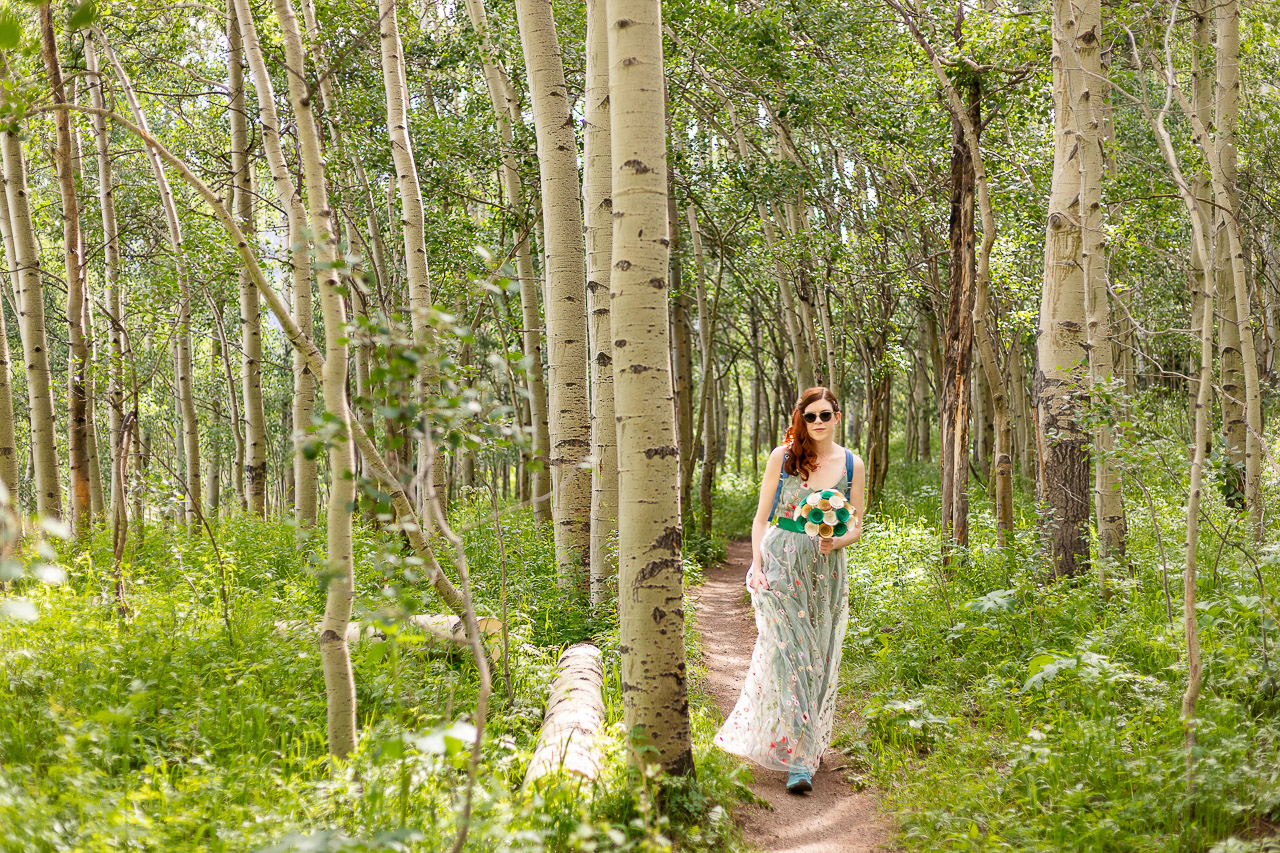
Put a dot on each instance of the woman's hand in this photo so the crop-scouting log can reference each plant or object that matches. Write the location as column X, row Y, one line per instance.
column 758, row 580
column 826, row 544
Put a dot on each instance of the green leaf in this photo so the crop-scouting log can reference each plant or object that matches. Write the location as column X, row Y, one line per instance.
column 83, row 15
column 10, row 29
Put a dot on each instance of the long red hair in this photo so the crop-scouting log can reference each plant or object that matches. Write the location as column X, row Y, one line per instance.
column 802, row 452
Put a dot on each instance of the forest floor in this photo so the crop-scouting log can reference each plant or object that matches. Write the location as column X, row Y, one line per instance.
column 833, row 818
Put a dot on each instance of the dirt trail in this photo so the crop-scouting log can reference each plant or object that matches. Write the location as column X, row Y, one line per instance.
column 833, row 818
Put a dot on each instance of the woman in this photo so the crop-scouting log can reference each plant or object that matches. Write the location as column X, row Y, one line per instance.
column 800, row 593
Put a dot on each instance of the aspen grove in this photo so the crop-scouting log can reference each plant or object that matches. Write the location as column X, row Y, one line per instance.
column 387, row 389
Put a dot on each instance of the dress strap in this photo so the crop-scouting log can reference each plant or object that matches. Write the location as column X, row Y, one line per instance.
column 848, row 474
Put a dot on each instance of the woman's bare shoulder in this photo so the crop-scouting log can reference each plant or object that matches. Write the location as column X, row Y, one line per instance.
column 857, row 460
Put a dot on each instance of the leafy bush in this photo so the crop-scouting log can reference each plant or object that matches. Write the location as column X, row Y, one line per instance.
column 174, row 728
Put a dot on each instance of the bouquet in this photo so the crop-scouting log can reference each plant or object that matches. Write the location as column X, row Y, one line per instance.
column 824, row 513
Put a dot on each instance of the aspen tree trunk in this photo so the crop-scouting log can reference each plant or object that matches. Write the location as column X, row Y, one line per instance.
column 299, row 276
column 569, row 422
column 708, row 424
column 1222, row 198
column 412, row 219
column 506, row 112
column 924, row 412
column 1202, row 264
column 597, row 196
column 650, row 594
column 78, row 425
column 759, row 401
column 682, row 357
column 1062, row 345
column 958, row 347
column 97, row 500
column 8, row 441
column 1200, row 437
column 1200, row 430
column 1200, row 238
column 35, row 346
column 255, row 470
column 1089, row 119
column 114, row 290
column 183, row 366
column 334, row 654
column 213, row 474
column 1241, row 398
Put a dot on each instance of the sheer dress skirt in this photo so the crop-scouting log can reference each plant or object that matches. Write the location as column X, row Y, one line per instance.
column 784, row 715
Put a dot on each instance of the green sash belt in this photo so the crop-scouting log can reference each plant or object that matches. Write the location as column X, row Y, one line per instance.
column 790, row 524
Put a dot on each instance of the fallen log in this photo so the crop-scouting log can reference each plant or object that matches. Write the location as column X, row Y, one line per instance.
column 449, row 630
column 575, row 713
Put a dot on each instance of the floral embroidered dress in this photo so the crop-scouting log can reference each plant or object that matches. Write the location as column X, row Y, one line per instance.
column 785, row 713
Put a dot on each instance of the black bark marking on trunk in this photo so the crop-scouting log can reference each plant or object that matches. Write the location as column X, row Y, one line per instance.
column 671, row 538
column 653, row 568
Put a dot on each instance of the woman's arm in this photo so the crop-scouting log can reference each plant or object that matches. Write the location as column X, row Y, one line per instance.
column 760, row 525
column 857, row 506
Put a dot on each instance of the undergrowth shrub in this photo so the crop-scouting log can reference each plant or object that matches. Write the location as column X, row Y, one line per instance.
column 1003, row 710
column 182, row 725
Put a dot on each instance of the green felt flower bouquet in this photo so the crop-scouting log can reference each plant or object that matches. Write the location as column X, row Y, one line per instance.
column 824, row 513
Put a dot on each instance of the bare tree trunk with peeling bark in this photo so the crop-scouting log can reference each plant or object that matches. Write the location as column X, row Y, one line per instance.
column 597, row 193
column 506, row 112
column 566, row 289
column 35, row 345
column 81, row 507
column 1061, row 380
column 650, row 594
column 255, row 470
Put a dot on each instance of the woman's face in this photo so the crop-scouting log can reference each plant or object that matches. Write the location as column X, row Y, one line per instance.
column 818, row 428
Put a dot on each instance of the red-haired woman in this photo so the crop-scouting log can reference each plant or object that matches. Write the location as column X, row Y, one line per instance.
column 811, row 506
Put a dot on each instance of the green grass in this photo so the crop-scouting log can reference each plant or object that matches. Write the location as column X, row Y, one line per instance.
column 166, row 731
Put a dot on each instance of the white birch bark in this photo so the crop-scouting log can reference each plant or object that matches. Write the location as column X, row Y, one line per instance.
column 597, row 193
column 569, row 424
column 1088, row 112
column 255, row 417
column 35, row 345
column 8, row 440
column 335, row 657
column 506, row 112
column 412, row 217
column 1241, row 401
column 650, row 605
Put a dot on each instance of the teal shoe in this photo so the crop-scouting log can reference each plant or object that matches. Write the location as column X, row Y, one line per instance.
column 799, row 782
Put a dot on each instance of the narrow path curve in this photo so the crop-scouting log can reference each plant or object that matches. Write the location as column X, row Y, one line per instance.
column 833, row 818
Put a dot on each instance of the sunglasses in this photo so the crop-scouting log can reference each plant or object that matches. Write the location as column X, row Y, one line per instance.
column 812, row 417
